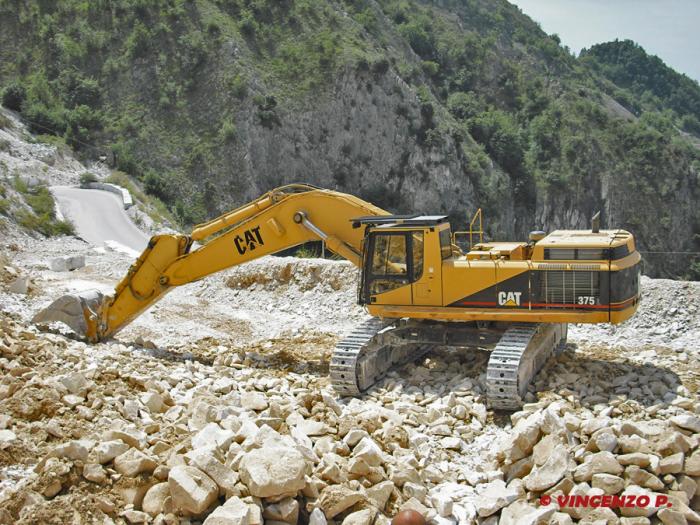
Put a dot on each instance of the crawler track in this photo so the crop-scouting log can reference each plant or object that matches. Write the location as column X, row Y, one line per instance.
column 519, row 355
column 375, row 346
column 347, row 353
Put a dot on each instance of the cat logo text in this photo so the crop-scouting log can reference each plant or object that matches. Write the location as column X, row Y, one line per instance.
column 509, row 298
column 251, row 239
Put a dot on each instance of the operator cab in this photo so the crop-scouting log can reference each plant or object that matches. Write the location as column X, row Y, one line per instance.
column 402, row 257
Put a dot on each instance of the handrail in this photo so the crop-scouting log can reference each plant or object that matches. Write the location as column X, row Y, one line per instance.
column 472, row 232
column 480, row 231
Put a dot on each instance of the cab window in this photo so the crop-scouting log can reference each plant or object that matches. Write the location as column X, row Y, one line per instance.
column 445, row 244
column 389, row 257
column 417, row 250
column 396, row 260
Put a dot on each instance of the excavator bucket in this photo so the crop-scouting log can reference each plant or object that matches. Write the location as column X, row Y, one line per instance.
column 79, row 312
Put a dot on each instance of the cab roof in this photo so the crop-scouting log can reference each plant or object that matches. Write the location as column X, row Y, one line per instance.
column 399, row 221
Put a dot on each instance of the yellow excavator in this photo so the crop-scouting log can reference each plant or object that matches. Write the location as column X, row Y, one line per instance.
column 422, row 290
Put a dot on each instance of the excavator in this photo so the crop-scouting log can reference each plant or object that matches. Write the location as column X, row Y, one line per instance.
column 421, row 289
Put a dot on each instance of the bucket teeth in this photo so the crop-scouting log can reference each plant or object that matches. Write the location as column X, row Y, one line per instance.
column 73, row 310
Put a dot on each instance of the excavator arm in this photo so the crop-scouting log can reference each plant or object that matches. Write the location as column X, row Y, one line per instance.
column 280, row 219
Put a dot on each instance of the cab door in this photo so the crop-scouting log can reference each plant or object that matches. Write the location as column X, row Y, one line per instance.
column 427, row 268
column 387, row 271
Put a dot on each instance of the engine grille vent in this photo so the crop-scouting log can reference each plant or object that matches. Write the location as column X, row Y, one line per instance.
column 570, row 288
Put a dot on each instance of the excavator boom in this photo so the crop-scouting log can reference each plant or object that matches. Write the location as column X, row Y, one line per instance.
column 280, row 219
